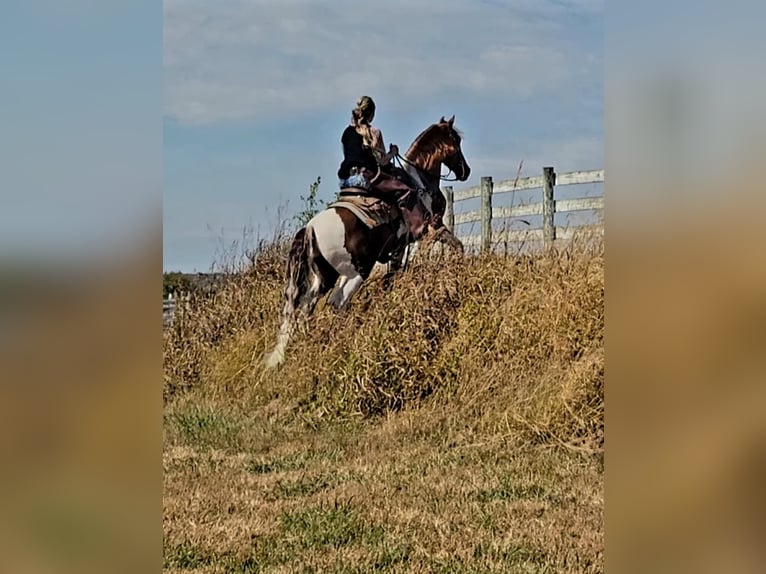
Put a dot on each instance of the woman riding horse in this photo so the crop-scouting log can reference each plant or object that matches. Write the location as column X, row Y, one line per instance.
column 337, row 250
column 364, row 153
column 367, row 166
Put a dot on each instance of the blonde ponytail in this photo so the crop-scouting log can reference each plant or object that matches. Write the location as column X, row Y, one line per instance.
column 361, row 116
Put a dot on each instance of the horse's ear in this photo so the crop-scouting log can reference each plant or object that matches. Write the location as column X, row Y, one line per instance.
column 451, row 120
column 441, row 121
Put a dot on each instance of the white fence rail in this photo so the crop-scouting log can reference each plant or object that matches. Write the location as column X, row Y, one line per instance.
column 548, row 207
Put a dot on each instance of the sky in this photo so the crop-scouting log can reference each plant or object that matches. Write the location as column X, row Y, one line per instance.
column 258, row 92
column 224, row 111
column 80, row 126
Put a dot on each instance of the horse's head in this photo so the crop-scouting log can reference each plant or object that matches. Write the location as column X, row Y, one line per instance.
column 452, row 153
column 436, row 145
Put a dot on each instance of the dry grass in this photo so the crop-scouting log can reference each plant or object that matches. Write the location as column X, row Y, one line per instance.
column 453, row 423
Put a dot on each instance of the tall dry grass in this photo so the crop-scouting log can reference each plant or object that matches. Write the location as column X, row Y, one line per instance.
column 446, row 423
column 510, row 346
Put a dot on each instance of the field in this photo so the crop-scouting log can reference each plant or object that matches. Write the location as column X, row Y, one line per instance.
column 452, row 422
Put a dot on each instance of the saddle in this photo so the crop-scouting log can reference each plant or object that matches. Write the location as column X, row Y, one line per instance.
column 374, row 211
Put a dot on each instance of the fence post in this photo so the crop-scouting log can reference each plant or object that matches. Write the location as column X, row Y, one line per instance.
column 486, row 213
column 449, row 211
column 549, row 229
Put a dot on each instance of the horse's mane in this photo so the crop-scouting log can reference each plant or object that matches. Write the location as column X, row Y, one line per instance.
column 426, row 143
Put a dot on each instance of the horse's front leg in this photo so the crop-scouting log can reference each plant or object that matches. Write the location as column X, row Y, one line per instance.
column 443, row 235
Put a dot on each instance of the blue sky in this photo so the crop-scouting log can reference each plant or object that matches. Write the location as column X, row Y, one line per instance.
column 80, row 125
column 257, row 93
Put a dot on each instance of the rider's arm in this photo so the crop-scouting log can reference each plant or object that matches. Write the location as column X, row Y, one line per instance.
column 380, row 148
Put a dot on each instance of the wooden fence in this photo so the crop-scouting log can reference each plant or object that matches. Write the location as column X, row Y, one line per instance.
column 170, row 305
column 548, row 207
column 168, row 311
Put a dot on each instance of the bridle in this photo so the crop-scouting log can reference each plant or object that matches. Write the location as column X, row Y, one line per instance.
column 400, row 158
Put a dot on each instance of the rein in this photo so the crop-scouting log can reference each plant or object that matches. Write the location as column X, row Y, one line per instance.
column 421, row 171
column 445, row 178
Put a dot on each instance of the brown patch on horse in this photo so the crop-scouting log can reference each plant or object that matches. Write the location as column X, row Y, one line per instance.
column 366, row 246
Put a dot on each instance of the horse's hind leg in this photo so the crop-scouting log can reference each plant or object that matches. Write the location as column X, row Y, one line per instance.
column 322, row 277
column 318, row 287
column 348, row 285
column 345, row 254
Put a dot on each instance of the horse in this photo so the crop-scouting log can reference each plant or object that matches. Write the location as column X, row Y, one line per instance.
column 336, row 246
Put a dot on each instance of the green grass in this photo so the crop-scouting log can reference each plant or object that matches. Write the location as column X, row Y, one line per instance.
column 203, row 427
column 335, row 526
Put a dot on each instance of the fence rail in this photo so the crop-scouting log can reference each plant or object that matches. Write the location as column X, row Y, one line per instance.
column 548, row 207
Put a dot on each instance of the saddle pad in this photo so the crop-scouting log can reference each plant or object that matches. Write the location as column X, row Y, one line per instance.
column 370, row 210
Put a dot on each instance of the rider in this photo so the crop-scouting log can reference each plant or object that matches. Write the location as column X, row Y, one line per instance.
column 365, row 161
column 366, row 164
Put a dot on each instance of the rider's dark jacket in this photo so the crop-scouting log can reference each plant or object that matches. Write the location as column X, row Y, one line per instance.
column 355, row 153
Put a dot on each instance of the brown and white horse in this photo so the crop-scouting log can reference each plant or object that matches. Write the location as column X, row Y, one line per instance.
column 337, row 247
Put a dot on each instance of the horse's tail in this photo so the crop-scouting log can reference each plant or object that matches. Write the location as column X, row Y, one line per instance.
column 297, row 269
column 295, row 288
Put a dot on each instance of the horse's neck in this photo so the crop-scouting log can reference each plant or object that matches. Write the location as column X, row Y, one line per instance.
column 422, row 168
column 414, row 173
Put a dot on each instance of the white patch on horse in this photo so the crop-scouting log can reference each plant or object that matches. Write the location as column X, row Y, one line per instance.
column 347, row 286
column 330, row 236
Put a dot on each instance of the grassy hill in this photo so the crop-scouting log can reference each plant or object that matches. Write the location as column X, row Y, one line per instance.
column 451, row 423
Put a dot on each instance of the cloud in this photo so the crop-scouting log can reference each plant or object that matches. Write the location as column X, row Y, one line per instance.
column 250, row 60
column 568, row 154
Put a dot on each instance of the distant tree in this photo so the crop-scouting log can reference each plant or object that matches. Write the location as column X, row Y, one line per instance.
column 311, row 205
column 175, row 282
